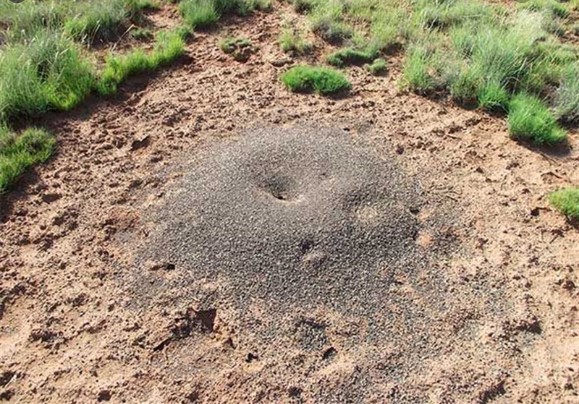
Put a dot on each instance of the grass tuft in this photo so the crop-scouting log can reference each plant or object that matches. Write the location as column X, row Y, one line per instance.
column 377, row 67
column 205, row 13
column 350, row 56
column 566, row 201
column 240, row 48
column 493, row 97
column 529, row 119
column 199, row 13
column 567, row 95
column 331, row 30
column 418, row 74
column 97, row 21
column 291, row 41
column 19, row 152
column 321, row 80
column 47, row 73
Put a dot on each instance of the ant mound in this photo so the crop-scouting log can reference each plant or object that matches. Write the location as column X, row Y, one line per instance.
column 296, row 217
column 306, row 250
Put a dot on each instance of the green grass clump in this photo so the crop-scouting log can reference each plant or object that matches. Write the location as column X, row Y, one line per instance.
column 199, row 13
column 443, row 14
column 205, row 13
column 291, row 41
column 240, row 48
column 552, row 6
column 350, row 56
column 567, row 95
column 331, row 30
column 19, row 152
column 321, row 80
column 47, row 73
column 530, row 119
column 464, row 86
column 97, row 20
column 24, row 20
column 377, row 67
column 566, row 201
column 493, row 97
column 418, row 72
column 229, row 45
column 82, row 20
column 169, row 46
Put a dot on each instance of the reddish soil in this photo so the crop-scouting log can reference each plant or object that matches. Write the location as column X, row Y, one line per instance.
column 70, row 331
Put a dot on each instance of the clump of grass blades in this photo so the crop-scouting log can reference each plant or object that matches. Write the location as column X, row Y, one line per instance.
column 567, row 96
column 493, row 97
column 419, row 73
column 229, row 45
column 199, row 13
column 169, row 46
column 205, row 13
column 566, row 201
column 350, row 56
column 24, row 20
column 83, row 20
column 443, row 14
column 331, row 30
column 552, row 6
column 19, row 152
column 97, row 20
column 529, row 119
column 377, row 67
column 47, row 73
column 240, row 48
column 314, row 78
column 292, row 41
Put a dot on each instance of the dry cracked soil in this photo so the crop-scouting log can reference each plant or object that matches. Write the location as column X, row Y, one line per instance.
column 207, row 236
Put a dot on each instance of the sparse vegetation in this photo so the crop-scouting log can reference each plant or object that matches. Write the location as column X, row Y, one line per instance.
column 504, row 59
column 480, row 54
column 566, row 201
column 292, row 41
column 321, row 80
column 418, row 73
column 169, row 46
column 331, row 29
column 46, row 64
column 19, row 152
column 142, row 33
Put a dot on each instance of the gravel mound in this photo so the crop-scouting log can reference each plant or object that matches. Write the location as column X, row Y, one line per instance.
column 302, row 217
column 315, row 260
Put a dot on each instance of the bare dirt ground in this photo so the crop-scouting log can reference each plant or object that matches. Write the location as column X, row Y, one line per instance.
column 83, row 319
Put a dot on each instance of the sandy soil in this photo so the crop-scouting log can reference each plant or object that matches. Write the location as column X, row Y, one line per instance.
column 73, row 328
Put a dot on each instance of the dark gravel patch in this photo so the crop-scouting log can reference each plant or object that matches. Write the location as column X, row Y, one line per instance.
column 305, row 240
column 295, row 217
